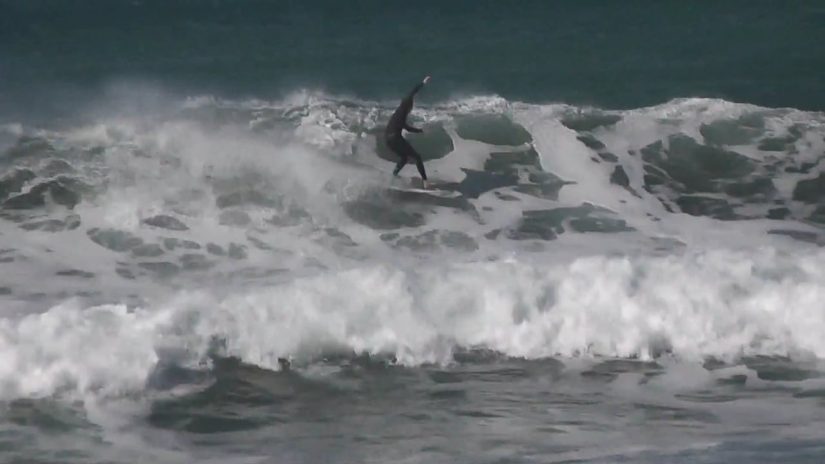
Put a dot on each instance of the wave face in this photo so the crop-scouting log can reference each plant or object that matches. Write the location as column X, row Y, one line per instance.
column 268, row 231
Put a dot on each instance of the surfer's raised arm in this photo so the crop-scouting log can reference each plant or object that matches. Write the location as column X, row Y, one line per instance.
column 417, row 88
column 408, row 102
column 398, row 120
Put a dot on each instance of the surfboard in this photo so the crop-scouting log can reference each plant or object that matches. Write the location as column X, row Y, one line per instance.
column 433, row 190
column 438, row 187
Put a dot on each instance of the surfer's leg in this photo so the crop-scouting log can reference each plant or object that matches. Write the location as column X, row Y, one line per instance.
column 400, row 164
column 419, row 163
column 408, row 150
column 398, row 148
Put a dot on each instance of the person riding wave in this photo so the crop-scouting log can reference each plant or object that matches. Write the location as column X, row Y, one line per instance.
column 397, row 143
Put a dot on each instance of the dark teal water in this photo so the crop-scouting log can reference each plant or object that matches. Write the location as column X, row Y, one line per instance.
column 610, row 54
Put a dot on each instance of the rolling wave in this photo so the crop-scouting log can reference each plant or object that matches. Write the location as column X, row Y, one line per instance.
column 266, row 231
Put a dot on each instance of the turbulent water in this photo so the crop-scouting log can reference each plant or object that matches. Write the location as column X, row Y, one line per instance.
column 193, row 275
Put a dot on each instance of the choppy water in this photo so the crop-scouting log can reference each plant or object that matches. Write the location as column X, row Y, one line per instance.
column 191, row 275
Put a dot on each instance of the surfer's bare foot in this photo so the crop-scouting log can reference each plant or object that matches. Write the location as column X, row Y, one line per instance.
column 426, row 184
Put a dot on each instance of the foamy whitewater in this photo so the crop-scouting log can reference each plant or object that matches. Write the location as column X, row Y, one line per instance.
column 216, row 280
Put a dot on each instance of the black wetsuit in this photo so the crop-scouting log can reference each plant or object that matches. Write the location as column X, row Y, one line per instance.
column 397, row 143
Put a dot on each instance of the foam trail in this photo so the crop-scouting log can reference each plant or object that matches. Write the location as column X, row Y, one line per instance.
column 561, row 153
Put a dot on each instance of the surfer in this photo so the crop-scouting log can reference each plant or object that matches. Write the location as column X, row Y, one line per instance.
column 397, row 143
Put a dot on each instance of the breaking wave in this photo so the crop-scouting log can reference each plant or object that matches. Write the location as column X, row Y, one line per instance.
column 267, row 231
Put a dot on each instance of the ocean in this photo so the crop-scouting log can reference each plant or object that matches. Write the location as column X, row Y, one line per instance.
column 205, row 258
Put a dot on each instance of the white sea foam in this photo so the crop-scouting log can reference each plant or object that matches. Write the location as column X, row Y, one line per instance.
column 717, row 304
column 331, row 283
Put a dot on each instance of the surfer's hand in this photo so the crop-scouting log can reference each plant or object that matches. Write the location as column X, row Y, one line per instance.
column 426, row 79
